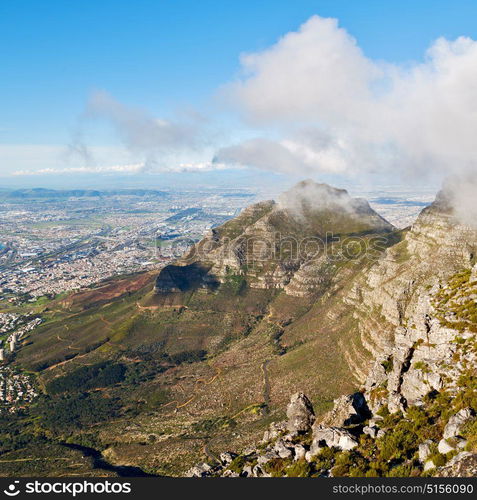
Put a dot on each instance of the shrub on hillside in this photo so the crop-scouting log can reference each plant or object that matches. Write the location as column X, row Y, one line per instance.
column 88, row 377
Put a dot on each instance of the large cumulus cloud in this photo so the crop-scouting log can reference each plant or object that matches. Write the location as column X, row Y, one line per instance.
column 330, row 108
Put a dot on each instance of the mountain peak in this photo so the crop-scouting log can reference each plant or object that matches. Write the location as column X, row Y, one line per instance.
column 308, row 200
column 456, row 199
column 318, row 195
column 281, row 245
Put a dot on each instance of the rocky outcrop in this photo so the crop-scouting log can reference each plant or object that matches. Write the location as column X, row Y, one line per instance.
column 282, row 441
column 333, row 437
column 462, row 465
column 404, row 321
column 457, row 422
column 347, row 410
column 200, row 470
column 424, row 450
column 300, row 414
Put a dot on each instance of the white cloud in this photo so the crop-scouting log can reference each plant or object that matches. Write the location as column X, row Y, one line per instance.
column 262, row 153
column 318, row 68
column 121, row 169
column 135, row 168
column 297, row 154
column 335, row 110
column 140, row 132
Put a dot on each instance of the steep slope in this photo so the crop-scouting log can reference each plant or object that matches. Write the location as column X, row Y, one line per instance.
column 420, row 288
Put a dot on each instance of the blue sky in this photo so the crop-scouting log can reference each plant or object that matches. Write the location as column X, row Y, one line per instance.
column 169, row 57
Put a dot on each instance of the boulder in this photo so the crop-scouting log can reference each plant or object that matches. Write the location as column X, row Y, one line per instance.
column 257, row 471
column 462, row 444
column 334, row 436
column 445, row 447
column 299, row 452
column 227, row 457
column 289, row 437
column 229, row 473
column 395, row 402
column 315, row 448
column 199, row 470
column 300, row 414
column 266, row 457
column 428, row 465
column 282, row 450
column 425, row 450
column 347, row 410
column 247, row 471
column 370, row 431
column 456, row 422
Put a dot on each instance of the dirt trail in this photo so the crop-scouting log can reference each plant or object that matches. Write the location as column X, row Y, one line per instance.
column 106, row 322
column 209, row 454
column 266, row 388
column 197, row 382
column 147, row 308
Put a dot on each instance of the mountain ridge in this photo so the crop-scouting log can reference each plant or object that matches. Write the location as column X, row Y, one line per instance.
column 417, row 317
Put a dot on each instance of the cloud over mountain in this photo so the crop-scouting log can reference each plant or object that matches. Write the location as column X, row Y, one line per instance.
column 333, row 109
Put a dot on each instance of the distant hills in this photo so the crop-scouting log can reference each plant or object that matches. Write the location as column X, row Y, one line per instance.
column 43, row 193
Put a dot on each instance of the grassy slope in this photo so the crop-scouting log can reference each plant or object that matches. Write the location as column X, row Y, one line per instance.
column 205, row 401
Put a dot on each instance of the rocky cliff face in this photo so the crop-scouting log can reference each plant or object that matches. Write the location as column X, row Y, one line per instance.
column 290, row 245
column 420, row 288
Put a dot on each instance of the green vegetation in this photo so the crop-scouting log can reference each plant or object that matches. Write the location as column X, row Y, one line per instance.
column 88, row 377
column 455, row 303
column 421, row 365
column 301, row 468
column 237, row 464
column 469, row 432
column 63, row 414
column 388, row 365
column 234, row 284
